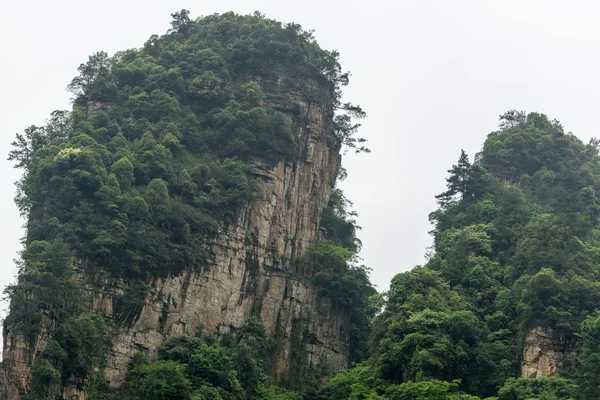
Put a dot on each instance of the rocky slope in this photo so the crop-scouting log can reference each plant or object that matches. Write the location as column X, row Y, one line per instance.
column 253, row 269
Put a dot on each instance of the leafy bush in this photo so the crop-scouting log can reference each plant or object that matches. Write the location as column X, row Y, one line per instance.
column 159, row 381
column 189, row 368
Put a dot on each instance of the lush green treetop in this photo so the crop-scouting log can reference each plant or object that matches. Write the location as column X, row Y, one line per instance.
column 515, row 247
column 158, row 142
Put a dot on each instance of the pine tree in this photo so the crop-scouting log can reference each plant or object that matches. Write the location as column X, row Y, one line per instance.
column 458, row 181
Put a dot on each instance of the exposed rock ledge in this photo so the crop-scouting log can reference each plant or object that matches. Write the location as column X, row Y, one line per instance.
column 545, row 353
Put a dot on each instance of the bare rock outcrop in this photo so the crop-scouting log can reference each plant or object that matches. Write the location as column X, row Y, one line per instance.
column 545, row 353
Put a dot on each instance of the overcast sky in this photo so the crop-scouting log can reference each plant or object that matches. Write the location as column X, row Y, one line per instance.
column 432, row 75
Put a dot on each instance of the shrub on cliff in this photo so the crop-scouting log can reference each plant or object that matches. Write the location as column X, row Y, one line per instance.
column 189, row 368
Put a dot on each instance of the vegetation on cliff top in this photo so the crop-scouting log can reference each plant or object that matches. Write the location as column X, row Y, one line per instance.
column 154, row 156
column 516, row 247
column 153, row 159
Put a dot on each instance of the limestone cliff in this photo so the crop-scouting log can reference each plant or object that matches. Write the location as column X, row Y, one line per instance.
column 545, row 353
column 252, row 269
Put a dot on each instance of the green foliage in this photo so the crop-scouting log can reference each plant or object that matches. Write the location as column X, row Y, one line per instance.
column 77, row 351
column 189, row 368
column 340, row 223
column 351, row 385
column 429, row 332
column 79, row 346
column 280, row 394
column 534, row 389
column 94, row 81
column 45, row 295
column 330, row 264
column 45, row 381
column 163, row 380
column 428, row 390
column 459, row 182
column 515, row 248
column 44, row 291
column 153, row 159
column 589, row 359
column 338, row 276
column 129, row 305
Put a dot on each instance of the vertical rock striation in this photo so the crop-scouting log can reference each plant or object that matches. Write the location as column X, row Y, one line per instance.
column 253, row 267
column 544, row 353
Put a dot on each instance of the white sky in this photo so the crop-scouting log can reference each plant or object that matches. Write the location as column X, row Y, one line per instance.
column 432, row 75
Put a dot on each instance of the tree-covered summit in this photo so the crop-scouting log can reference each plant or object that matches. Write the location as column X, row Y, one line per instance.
column 151, row 163
column 516, row 247
column 154, row 156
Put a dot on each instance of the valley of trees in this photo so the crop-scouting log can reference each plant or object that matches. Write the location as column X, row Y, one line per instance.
column 154, row 158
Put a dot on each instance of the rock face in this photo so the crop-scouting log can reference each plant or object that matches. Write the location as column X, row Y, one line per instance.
column 544, row 353
column 252, row 268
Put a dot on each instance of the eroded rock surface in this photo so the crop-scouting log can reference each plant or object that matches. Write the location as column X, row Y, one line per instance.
column 545, row 353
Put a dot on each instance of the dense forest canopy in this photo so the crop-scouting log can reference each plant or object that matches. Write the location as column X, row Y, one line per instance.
column 516, row 247
column 158, row 142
